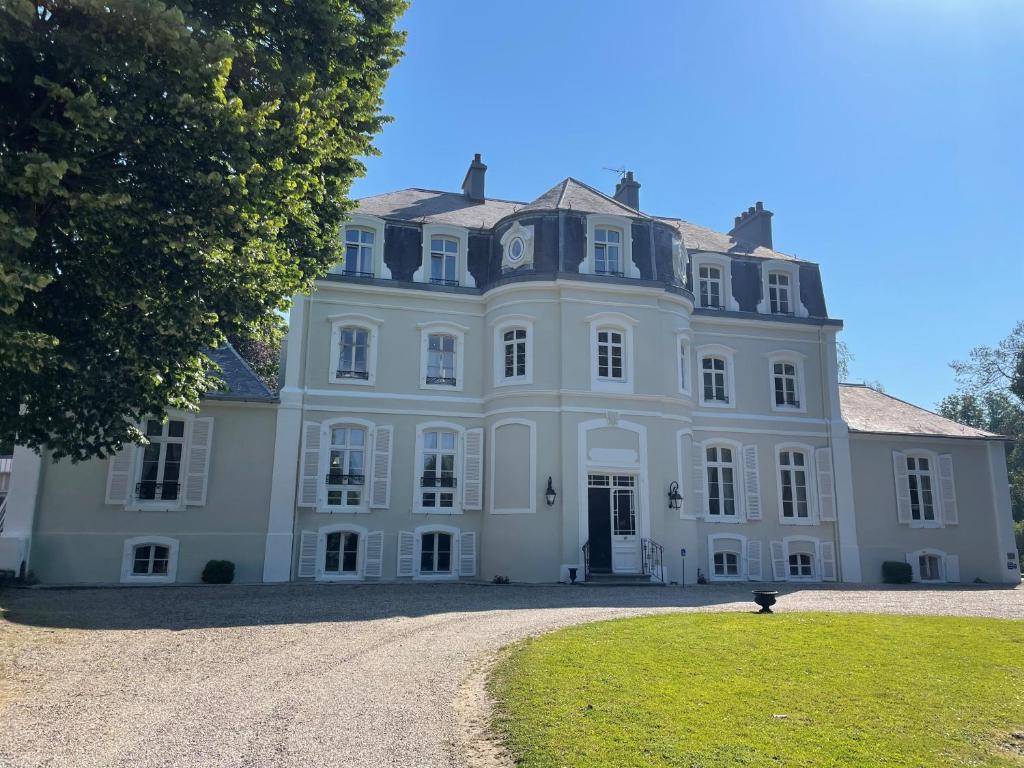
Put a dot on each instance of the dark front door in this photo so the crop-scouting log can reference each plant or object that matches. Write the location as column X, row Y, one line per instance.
column 599, row 516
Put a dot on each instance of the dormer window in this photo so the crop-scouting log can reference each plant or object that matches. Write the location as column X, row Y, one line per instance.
column 444, row 261
column 710, row 287
column 608, row 251
column 359, row 243
column 778, row 294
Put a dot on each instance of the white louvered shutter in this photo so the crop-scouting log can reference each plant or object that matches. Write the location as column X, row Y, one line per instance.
column 754, row 561
column 953, row 568
column 827, row 557
column 406, row 552
column 915, row 566
column 380, row 493
column 826, row 485
column 899, row 470
column 200, row 446
column 752, row 482
column 947, row 487
column 778, row 561
column 373, row 565
column 308, row 546
column 120, row 475
column 700, row 477
column 309, row 480
column 473, row 469
column 467, row 554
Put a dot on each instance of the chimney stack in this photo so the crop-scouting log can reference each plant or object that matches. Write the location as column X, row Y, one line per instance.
column 473, row 184
column 754, row 226
column 627, row 191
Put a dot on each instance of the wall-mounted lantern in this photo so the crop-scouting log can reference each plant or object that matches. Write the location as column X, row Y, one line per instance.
column 675, row 501
column 549, row 493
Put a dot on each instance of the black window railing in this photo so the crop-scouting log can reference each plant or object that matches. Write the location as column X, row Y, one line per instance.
column 442, row 281
column 712, row 306
column 339, row 478
column 150, row 490
column 789, row 403
column 347, row 374
column 355, row 273
column 433, row 481
column 609, row 272
column 444, row 380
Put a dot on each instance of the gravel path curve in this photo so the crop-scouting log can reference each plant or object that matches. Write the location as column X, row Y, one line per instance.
column 301, row 675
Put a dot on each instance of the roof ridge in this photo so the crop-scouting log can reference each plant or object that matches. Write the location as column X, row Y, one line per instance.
column 609, row 198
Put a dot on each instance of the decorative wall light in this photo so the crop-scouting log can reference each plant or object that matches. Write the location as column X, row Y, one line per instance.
column 549, row 493
column 675, row 501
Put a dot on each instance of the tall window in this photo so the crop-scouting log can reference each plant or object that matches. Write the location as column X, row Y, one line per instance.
column 784, row 378
column 793, row 480
column 721, row 482
column 438, row 479
column 358, row 251
column 354, row 346
column 444, row 261
column 441, row 359
column 436, row 552
column 150, row 560
column 710, row 286
column 930, row 567
column 346, row 467
column 919, row 474
column 682, row 366
column 778, row 293
column 610, row 355
column 727, row 564
column 607, row 251
column 713, row 372
column 801, row 566
column 341, row 553
column 515, row 353
column 160, row 478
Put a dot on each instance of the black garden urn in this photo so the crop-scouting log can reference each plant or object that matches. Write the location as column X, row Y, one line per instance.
column 572, row 575
column 765, row 598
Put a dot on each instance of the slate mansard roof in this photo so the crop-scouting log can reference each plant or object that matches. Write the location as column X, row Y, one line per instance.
column 429, row 206
column 868, row 410
column 240, row 381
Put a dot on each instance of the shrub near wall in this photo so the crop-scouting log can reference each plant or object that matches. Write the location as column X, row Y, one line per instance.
column 219, row 572
column 896, row 572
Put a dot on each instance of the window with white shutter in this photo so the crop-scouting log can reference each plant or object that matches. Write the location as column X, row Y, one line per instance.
column 778, row 561
column 473, row 469
column 308, row 548
column 120, row 475
column 309, row 480
column 899, row 468
column 827, row 557
column 380, row 496
column 200, row 446
column 373, row 565
column 406, row 553
column 826, row 485
column 754, row 571
column 953, row 568
column 947, row 487
column 752, row 482
column 467, row 553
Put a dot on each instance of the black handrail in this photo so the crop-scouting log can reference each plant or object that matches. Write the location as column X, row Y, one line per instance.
column 586, row 561
column 652, row 559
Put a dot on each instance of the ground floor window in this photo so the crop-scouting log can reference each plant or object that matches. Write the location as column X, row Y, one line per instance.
column 436, row 553
column 930, row 567
column 150, row 560
column 801, row 566
column 727, row 564
column 341, row 553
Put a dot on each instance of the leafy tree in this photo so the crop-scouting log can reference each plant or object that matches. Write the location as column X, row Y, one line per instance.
column 170, row 174
column 260, row 346
column 844, row 357
column 995, row 369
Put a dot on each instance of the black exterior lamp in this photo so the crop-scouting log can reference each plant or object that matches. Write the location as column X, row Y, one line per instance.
column 675, row 501
column 549, row 493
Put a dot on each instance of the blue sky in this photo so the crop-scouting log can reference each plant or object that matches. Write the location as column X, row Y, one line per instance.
column 887, row 137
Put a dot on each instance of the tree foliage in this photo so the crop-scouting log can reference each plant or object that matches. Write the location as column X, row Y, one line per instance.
column 260, row 346
column 170, row 174
column 995, row 369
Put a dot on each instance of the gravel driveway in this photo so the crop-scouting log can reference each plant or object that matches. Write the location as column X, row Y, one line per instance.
column 311, row 675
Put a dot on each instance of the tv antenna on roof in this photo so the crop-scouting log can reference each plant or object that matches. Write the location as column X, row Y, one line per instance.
column 621, row 171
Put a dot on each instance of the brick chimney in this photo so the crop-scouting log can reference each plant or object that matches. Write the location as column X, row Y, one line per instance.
column 473, row 184
column 754, row 226
column 627, row 191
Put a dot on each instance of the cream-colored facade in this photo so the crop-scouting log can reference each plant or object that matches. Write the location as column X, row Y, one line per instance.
column 421, row 424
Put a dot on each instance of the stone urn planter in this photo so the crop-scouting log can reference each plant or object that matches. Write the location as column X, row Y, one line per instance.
column 765, row 598
column 572, row 575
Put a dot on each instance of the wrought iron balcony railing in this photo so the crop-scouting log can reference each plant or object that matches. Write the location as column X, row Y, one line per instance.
column 149, row 490
column 349, row 374
column 339, row 478
column 433, row 481
column 447, row 381
column 442, row 281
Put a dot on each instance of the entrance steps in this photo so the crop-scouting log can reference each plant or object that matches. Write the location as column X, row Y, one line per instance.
column 621, row 580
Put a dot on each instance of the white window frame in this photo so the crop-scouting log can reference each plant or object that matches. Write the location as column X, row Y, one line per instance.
column 459, row 234
column 622, row 223
column 321, row 551
column 459, row 332
column 815, row 547
column 810, row 470
column 325, row 461
column 684, row 363
column 171, row 505
column 724, row 263
column 729, row 355
column 796, row 359
column 509, row 323
column 369, row 324
column 792, row 271
column 418, row 533
column 741, row 555
column 739, row 495
column 128, row 560
column 618, row 323
column 460, row 449
column 933, row 473
column 375, row 225
column 915, row 558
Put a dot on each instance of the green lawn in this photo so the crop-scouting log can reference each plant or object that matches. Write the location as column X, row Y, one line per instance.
column 784, row 690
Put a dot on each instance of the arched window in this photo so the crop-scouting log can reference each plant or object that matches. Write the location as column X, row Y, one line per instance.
column 721, row 478
column 779, row 302
column 785, row 384
column 930, row 567
column 801, row 565
column 608, row 251
column 353, row 353
column 359, row 242
column 149, row 560
column 436, row 553
column 341, row 553
column 710, row 286
column 346, row 467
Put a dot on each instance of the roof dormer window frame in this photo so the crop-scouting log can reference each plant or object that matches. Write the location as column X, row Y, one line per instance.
column 373, row 224
column 624, row 225
column 792, row 271
column 461, row 236
column 723, row 263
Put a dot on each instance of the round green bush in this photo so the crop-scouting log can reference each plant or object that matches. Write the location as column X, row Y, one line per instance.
column 219, row 572
column 896, row 572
